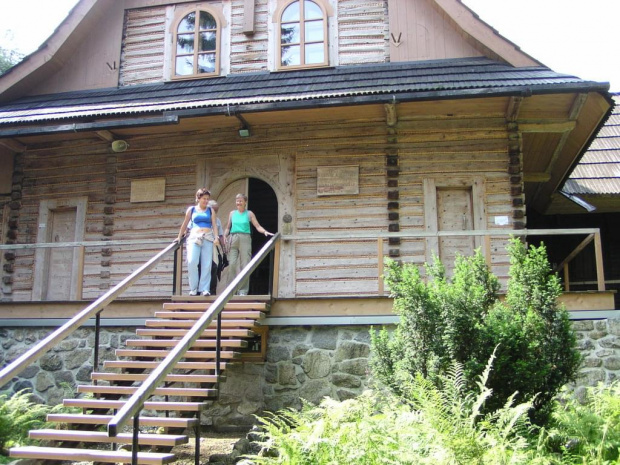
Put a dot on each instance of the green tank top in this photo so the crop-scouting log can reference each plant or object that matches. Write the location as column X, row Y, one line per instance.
column 240, row 222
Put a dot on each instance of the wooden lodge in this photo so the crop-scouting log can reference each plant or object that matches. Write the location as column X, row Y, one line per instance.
column 359, row 130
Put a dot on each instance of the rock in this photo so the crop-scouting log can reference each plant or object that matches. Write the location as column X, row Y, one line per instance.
column 294, row 334
column 585, row 344
column 277, row 353
column 597, row 334
column 44, row 381
column 300, row 349
column 55, row 396
column 612, row 363
column 614, row 326
column 350, row 349
column 583, row 325
column 22, row 385
column 64, row 378
column 611, row 342
column 591, row 377
column 344, row 380
column 357, row 366
column 343, row 394
column 604, row 353
column 271, row 373
column 592, row 362
column 317, row 363
column 279, row 402
column 314, row 390
column 29, row 372
column 77, row 358
column 325, row 337
column 67, row 345
column 83, row 374
column 286, row 374
column 363, row 336
column 249, row 408
column 50, row 362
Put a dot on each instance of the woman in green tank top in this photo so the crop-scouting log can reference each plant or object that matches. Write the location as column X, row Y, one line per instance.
column 237, row 235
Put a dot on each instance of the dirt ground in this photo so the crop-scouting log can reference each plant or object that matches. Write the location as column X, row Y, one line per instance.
column 210, row 444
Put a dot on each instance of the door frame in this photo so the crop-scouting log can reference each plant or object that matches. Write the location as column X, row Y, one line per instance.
column 476, row 183
column 41, row 264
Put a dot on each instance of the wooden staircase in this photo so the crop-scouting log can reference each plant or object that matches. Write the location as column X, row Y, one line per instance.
column 186, row 392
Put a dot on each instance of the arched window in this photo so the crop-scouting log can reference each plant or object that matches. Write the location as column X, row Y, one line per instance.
column 303, row 35
column 197, row 45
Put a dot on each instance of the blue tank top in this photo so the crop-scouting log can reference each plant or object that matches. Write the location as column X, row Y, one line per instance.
column 201, row 219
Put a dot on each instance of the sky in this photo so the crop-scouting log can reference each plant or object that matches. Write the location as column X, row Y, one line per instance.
column 575, row 37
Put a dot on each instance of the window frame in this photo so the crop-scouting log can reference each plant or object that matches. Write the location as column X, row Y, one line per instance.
column 179, row 16
column 278, row 24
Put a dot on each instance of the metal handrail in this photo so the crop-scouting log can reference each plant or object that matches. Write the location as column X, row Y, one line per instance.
column 36, row 352
column 135, row 403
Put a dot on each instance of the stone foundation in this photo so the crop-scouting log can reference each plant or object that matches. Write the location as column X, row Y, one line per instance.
column 301, row 363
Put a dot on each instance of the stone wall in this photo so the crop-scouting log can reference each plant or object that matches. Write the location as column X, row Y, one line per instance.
column 54, row 376
column 599, row 343
column 303, row 362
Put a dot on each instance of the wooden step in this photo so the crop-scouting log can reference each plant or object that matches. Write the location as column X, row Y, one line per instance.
column 89, row 455
column 203, row 354
column 230, row 306
column 150, row 365
column 211, row 299
column 142, row 376
column 182, row 332
column 238, row 343
column 128, row 390
column 81, row 419
column 117, row 404
column 102, row 437
column 248, row 314
column 191, row 323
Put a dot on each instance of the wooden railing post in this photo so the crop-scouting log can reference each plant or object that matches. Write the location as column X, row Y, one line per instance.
column 598, row 253
column 566, row 278
column 381, row 285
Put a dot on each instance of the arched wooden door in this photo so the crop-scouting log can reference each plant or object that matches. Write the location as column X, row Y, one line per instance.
column 262, row 201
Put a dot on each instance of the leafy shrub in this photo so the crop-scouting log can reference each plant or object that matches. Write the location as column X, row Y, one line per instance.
column 461, row 319
column 18, row 415
column 587, row 432
column 436, row 426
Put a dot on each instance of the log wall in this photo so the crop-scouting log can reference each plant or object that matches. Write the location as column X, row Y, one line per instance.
column 394, row 162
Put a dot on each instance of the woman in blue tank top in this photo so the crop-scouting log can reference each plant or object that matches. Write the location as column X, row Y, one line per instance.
column 203, row 234
column 237, row 234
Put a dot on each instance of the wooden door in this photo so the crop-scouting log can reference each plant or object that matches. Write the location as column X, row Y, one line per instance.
column 455, row 213
column 59, row 269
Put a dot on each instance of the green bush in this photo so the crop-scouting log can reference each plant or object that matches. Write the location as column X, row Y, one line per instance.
column 18, row 415
column 436, row 426
column 461, row 319
column 587, row 432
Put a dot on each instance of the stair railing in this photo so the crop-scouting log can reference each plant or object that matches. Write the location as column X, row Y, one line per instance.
column 135, row 404
column 94, row 309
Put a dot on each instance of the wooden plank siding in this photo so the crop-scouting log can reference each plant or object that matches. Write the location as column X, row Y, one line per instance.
column 286, row 156
column 142, row 56
column 249, row 52
column 363, row 32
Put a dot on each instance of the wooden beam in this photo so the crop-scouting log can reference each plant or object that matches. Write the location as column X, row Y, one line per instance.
column 598, row 253
column 248, row 16
column 578, row 103
column 13, row 145
column 536, row 177
column 106, row 135
column 575, row 252
column 547, row 126
column 513, row 109
column 391, row 117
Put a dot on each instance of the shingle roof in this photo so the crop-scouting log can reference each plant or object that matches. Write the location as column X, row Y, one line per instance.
column 598, row 172
column 339, row 85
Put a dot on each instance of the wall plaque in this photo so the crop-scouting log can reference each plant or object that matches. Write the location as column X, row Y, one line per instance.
column 337, row 180
column 148, row 190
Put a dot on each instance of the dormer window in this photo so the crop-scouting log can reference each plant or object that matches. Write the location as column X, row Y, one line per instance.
column 197, row 45
column 303, row 35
